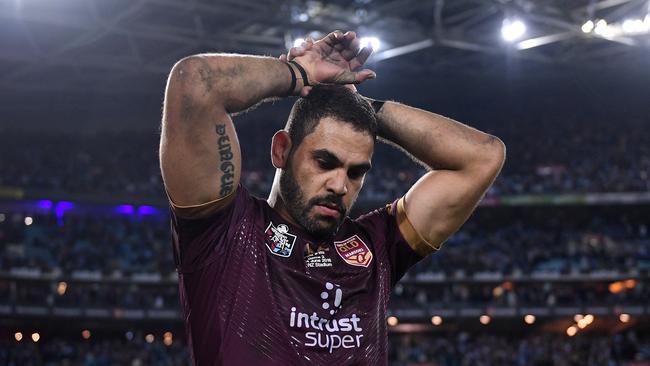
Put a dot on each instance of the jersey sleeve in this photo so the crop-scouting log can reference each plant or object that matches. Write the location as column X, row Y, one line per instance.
column 394, row 237
column 201, row 233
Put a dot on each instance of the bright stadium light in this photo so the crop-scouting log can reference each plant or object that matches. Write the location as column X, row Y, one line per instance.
column 36, row 337
column 61, row 288
column 484, row 319
column 28, row 220
column 436, row 320
column 298, row 42
column 603, row 29
column 512, row 30
column 168, row 339
column 588, row 26
column 392, row 321
column 635, row 26
column 624, row 318
column 582, row 323
column 18, row 336
column 374, row 42
column 529, row 319
column 571, row 331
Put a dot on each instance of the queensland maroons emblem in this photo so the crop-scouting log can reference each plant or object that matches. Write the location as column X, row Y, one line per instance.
column 354, row 251
column 278, row 240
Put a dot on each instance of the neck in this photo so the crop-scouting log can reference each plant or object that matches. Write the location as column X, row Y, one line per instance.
column 276, row 202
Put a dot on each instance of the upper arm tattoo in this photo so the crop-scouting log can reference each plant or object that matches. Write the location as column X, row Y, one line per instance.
column 226, row 164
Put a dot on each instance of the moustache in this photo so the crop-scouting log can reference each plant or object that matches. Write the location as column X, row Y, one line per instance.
column 330, row 200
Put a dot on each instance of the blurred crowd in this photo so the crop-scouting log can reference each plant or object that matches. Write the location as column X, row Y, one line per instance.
column 124, row 245
column 136, row 244
column 450, row 294
column 414, row 349
column 570, row 155
column 464, row 349
column 61, row 351
column 86, row 242
column 458, row 295
column 554, row 245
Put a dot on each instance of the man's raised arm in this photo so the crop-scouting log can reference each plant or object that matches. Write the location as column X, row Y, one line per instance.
column 200, row 156
column 465, row 163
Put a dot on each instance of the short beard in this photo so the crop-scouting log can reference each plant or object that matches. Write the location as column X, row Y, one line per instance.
column 298, row 208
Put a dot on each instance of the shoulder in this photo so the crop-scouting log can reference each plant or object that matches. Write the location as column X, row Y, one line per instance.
column 391, row 223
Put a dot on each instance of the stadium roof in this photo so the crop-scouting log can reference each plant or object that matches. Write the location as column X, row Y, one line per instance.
column 123, row 45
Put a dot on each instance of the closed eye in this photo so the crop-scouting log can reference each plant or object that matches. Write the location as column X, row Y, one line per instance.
column 326, row 164
column 357, row 173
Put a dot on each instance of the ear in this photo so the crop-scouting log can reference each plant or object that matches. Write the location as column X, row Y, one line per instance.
column 280, row 148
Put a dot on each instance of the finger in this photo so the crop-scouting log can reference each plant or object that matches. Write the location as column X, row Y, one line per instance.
column 363, row 75
column 333, row 38
column 297, row 51
column 351, row 49
column 283, row 57
column 361, row 58
column 349, row 36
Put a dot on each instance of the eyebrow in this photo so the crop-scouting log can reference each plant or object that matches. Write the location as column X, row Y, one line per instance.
column 332, row 158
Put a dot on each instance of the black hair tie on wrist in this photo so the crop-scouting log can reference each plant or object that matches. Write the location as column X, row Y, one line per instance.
column 293, row 79
column 303, row 73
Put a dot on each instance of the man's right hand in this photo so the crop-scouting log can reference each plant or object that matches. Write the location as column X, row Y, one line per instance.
column 332, row 60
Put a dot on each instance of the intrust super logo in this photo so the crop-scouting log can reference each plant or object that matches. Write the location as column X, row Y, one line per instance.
column 328, row 333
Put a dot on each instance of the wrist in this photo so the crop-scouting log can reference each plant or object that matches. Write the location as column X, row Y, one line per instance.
column 298, row 78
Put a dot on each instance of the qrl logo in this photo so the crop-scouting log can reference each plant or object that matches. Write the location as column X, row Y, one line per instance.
column 354, row 251
column 338, row 295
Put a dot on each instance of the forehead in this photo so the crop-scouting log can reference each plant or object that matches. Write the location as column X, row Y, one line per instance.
column 341, row 139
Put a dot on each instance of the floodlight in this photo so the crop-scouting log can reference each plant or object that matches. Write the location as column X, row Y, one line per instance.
column 374, row 42
column 298, row 42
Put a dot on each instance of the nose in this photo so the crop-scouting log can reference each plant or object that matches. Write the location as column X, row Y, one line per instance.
column 337, row 182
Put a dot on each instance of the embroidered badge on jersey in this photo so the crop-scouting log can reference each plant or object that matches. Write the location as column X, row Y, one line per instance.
column 279, row 241
column 317, row 256
column 354, row 251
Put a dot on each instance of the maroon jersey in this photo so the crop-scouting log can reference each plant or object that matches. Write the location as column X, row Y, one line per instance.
column 257, row 290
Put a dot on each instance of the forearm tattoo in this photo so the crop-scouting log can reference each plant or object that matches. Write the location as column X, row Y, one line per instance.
column 226, row 166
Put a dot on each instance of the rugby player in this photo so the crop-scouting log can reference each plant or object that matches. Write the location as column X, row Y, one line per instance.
column 292, row 280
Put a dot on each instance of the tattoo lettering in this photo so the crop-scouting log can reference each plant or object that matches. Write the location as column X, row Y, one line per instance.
column 227, row 167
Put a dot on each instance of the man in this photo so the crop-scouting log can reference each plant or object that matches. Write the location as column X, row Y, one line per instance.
column 293, row 280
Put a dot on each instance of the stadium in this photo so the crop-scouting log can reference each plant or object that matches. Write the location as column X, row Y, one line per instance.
column 552, row 268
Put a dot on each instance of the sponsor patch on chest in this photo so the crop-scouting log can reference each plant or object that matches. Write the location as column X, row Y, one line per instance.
column 317, row 256
column 354, row 251
column 278, row 239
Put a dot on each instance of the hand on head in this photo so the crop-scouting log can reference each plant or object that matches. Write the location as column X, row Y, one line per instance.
column 332, row 59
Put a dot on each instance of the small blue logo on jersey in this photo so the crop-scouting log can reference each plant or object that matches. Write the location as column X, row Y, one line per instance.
column 279, row 241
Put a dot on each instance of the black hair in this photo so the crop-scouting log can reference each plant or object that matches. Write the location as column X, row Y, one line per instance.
column 328, row 100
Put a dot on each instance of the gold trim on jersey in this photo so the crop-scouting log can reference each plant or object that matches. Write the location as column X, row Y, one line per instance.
column 412, row 237
column 203, row 209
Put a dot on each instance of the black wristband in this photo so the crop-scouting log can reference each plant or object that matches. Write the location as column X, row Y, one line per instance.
column 303, row 73
column 293, row 79
column 377, row 104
